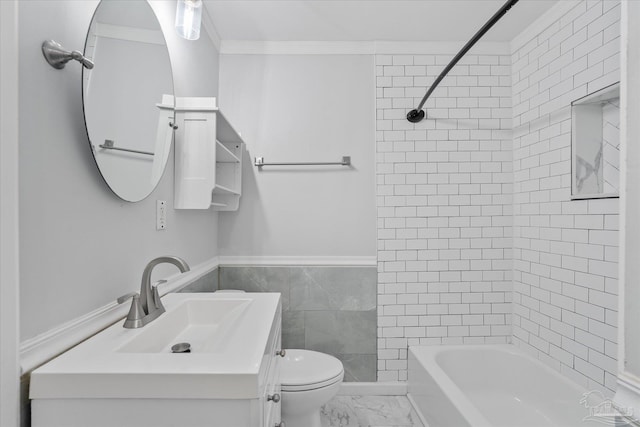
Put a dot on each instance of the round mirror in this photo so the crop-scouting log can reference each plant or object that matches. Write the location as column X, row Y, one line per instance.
column 128, row 97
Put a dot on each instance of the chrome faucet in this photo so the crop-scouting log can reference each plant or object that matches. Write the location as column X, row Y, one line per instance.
column 147, row 305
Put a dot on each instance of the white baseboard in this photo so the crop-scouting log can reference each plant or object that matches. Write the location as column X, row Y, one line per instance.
column 44, row 347
column 373, row 389
column 298, row 260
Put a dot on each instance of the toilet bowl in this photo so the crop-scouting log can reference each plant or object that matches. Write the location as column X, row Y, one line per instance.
column 309, row 380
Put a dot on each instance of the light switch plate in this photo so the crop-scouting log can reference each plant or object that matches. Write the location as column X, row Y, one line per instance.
column 161, row 214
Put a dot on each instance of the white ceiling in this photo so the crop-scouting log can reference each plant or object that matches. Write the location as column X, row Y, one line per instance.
column 368, row 20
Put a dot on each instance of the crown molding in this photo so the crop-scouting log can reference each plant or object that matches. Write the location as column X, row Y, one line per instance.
column 444, row 48
column 257, row 47
column 121, row 32
column 210, row 29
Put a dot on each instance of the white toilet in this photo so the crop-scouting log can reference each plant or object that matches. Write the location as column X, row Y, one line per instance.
column 309, row 380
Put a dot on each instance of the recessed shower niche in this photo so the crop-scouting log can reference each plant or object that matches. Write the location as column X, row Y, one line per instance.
column 595, row 144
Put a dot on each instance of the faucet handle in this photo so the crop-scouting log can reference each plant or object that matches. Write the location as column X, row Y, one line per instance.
column 124, row 298
column 136, row 313
column 156, row 295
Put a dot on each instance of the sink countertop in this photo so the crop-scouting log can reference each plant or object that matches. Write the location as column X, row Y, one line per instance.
column 104, row 367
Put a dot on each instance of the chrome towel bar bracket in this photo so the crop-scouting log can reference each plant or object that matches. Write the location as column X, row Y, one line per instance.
column 110, row 145
column 346, row 161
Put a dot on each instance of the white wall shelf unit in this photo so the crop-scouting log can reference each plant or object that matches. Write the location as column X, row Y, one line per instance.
column 208, row 172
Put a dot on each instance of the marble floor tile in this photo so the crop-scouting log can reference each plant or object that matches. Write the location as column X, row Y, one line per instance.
column 369, row 411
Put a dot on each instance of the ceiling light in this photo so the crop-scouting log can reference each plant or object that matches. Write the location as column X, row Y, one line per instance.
column 188, row 19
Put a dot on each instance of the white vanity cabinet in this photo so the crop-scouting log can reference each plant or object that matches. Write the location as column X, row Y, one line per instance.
column 208, row 157
column 102, row 383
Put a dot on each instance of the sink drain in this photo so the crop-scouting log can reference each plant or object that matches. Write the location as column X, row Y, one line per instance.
column 182, row 347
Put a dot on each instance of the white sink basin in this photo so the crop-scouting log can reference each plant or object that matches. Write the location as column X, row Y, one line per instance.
column 203, row 323
column 228, row 334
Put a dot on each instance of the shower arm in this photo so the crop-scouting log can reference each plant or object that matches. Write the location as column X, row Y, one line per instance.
column 415, row 116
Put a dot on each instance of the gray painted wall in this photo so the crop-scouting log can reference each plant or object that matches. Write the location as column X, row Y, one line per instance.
column 303, row 108
column 81, row 246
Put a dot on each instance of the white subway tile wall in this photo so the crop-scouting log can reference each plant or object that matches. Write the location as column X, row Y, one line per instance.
column 444, row 200
column 565, row 252
column 478, row 240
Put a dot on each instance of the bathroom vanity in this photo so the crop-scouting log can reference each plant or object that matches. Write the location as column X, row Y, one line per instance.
column 131, row 378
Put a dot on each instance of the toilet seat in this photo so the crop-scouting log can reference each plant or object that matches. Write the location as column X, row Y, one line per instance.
column 314, row 386
column 304, row 370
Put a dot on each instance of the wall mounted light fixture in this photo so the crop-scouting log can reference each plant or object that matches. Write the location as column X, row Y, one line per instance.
column 189, row 18
column 57, row 56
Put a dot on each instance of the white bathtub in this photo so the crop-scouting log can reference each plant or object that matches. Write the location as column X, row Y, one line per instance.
column 491, row 385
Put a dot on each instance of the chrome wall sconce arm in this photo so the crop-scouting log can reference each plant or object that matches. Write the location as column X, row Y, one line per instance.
column 57, row 56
